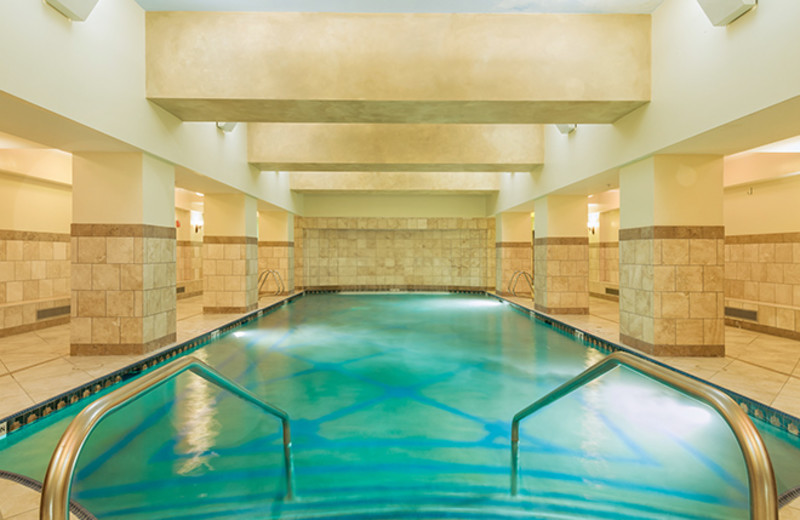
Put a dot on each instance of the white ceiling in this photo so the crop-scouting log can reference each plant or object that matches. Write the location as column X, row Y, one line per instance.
column 409, row 6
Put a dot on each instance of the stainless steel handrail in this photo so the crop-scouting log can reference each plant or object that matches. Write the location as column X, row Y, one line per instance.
column 512, row 283
column 264, row 276
column 763, row 494
column 281, row 285
column 57, row 486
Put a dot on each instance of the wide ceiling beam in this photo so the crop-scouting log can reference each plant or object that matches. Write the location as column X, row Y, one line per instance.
column 398, row 148
column 398, row 68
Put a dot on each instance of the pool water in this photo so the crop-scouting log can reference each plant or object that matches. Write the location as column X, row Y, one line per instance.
column 401, row 404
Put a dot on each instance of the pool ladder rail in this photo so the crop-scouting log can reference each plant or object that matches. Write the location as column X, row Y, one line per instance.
column 58, row 480
column 512, row 284
column 761, row 478
column 280, row 288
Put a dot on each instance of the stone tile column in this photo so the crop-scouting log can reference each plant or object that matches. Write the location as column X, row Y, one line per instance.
column 123, row 254
column 561, row 255
column 276, row 247
column 672, row 256
column 514, row 251
column 230, row 254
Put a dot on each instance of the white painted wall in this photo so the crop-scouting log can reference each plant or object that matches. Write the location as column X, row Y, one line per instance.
column 93, row 73
column 702, row 77
column 30, row 204
column 232, row 215
column 773, row 207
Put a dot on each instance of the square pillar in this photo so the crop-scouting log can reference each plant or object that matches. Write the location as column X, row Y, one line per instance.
column 672, row 256
column 276, row 247
column 514, row 251
column 561, row 255
column 123, row 254
column 230, row 253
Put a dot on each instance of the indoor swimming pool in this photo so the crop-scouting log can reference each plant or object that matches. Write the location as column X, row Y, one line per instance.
column 401, row 407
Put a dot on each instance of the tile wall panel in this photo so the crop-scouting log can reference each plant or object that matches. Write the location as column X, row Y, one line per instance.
column 402, row 253
column 123, row 288
column 762, row 273
column 34, row 276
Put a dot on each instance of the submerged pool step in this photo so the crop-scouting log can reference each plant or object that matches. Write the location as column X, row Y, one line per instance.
column 442, row 506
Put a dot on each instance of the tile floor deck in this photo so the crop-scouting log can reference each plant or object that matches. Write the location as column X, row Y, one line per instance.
column 36, row 365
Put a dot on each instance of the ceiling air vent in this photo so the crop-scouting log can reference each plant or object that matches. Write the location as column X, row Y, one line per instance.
column 723, row 12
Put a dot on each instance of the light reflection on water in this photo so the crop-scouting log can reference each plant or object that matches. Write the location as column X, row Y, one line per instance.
column 196, row 423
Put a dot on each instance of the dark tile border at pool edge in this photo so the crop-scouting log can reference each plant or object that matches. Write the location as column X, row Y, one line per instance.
column 18, row 420
column 760, row 411
column 776, row 418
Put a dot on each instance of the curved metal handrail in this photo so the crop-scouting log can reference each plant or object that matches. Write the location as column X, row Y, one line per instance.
column 763, row 494
column 58, row 480
column 264, row 276
column 512, row 283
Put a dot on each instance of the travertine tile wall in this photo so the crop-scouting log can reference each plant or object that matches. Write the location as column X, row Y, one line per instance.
column 278, row 256
column 603, row 268
column 123, row 288
column 230, row 274
column 395, row 253
column 189, row 268
column 561, row 275
column 762, row 274
column 513, row 257
column 671, row 290
column 34, row 277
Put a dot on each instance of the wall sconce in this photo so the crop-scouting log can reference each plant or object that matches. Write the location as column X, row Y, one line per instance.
column 196, row 220
column 593, row 223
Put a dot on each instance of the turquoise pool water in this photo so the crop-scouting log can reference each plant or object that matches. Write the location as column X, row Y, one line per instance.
column 401, row 403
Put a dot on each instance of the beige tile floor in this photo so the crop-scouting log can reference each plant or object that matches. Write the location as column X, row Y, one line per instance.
column 37, row 365
column 19, row 502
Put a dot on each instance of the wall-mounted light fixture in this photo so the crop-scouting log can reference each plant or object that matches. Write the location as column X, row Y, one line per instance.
column 593, row 222
column 196, row 220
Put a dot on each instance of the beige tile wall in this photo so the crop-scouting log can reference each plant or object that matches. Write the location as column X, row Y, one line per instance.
column 190, row 268
column 405, row 253
column 561, row 275
column 123, row 288
column 513, row 257
column 671, row 290
column 603, row 268
column 278, row 256
column 34, row 275
column 230, row 274
column 762, row 273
